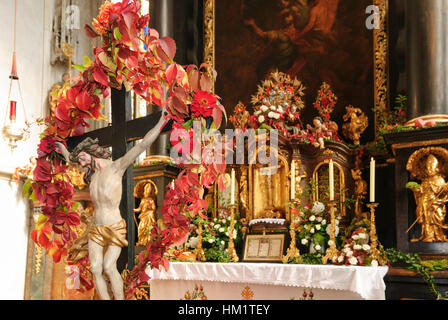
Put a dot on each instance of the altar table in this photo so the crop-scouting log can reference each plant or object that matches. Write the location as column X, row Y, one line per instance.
column 268, row 281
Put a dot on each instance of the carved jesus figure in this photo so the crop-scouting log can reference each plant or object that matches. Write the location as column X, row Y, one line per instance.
column 109, row 229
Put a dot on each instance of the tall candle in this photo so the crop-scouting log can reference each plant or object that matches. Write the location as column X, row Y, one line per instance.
column 293, row 180
column 232, row 188
column 331, row 180
column 13, row 110
column 372, row 180
column 172, row 184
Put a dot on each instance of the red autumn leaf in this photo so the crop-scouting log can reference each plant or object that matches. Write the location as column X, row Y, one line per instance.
column 83, row 101
column 90, row 32
column 101, row 77
column 205, row 83
column 166, row 49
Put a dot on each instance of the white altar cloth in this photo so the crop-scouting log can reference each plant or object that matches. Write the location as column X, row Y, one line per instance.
column 340, row 282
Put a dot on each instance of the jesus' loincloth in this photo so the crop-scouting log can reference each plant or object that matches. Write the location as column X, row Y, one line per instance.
column 110, row 235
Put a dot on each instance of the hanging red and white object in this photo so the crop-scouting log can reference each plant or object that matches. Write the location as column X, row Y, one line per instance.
column 15, row 126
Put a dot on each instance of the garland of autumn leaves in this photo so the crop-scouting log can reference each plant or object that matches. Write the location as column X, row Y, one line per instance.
column 121, row 61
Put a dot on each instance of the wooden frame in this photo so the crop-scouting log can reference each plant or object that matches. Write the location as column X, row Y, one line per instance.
column 380, row 51
column 264, row 248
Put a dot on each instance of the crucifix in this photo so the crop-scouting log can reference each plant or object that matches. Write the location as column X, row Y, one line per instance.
column 120, row 136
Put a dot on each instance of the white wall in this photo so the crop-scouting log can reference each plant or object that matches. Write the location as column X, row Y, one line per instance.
column 34, row 26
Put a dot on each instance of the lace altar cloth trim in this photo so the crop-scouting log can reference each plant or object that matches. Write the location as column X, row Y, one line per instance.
column 366, row 281
column 267, row 220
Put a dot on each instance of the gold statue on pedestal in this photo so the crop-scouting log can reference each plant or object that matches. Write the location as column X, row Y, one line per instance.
column 357, row 125
column 430, row 165
column 360, row 191
column 146, row 190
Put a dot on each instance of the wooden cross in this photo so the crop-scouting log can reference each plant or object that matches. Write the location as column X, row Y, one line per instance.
column 120, row 136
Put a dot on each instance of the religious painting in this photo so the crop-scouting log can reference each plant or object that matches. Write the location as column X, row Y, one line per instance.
column 314, row 40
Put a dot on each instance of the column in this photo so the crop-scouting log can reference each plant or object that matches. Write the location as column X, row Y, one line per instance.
column 427, row 57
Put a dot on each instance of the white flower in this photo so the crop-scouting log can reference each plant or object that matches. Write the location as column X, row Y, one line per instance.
column 340, row 259
column 355, row 237
column 280, row 109
column 317, row 227
column 192, row 242
column 234, row 234
column 324, row 221
column 312, row 230
column 319, row 219
column 362, row 236
column 273, row 108
column 257, row 113
column 374, row 263
column 228, row 218
column 328, row 230
column 212, row 224
column 277, row 115
column 357, row 247
column 312, row 218
column 223, row 220
column 223, row 242
column 349, row 253
column 334, row 259
column 317, row 247
column 337, row 222
column 211, row 240
column 227, row 233
column 221, row 229
column 304, row 241
column 217, row 226
column 353, row 261
column 264, row 108
column 261, row 119
column 271, row 114
column 330, row 242
column 318, row 207
column 366, row 247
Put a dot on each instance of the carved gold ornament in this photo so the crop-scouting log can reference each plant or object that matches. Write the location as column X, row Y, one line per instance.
column 357, row 125
column 380, row 56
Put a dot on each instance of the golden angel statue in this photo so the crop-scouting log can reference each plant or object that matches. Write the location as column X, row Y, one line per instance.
column 430, row 165
column 357, row 125
column 146, row 190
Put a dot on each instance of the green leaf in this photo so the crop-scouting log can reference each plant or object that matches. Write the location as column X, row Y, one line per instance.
column 117, row 34
column 78, row 67
column 26, row 189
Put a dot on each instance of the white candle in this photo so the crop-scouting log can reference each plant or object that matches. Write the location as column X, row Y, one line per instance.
column 331, row 180
column 372, row 180
column 293, row 180
column 232, row 188
column 172, row 184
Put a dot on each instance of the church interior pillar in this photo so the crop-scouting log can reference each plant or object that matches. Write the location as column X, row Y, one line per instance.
column 427, row 59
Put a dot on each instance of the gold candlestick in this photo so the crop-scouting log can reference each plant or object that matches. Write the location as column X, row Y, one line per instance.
column 292, row 252
column 200, row 254
column 332, row 252
column 374, row 252
column 231, row 246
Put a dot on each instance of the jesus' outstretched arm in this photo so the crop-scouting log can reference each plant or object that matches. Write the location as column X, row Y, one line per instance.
column 124, row 162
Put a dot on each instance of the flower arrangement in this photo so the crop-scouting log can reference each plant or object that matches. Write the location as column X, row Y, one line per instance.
column 325, row 102
column 356, row 250
column 279, row 100
column 215, row 236
column 136, row 58
column 313, row 226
